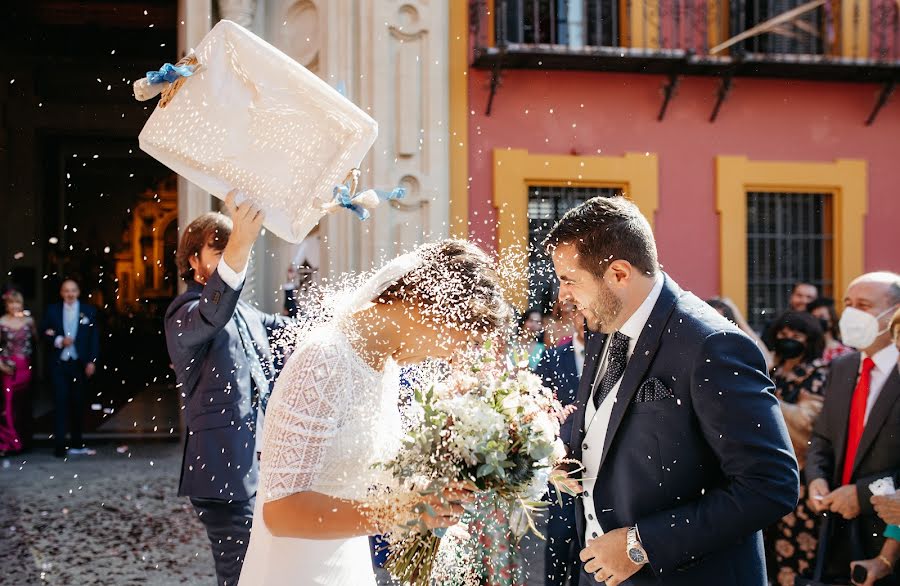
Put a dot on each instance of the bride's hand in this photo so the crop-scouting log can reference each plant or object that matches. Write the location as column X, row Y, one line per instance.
column 445, row 508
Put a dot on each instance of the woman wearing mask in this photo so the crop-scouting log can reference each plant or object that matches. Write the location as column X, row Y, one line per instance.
column 823, row 309
column 17, row 336
column 799, row 375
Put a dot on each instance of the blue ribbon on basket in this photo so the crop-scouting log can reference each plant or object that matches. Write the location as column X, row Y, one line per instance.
column 169, row 73
column 353, row 201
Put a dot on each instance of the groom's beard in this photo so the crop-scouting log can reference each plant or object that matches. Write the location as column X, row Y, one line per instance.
column 603, row 310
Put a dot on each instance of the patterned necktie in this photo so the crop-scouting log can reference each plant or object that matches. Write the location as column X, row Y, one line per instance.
column 615, row 366
column 257, row 370
column 857, row 420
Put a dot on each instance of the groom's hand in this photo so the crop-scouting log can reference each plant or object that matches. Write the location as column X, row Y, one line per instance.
column 607, row 558
column 248, row 219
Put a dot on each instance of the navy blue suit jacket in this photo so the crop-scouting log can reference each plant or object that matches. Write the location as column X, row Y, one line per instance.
column 703, row 471
column 213, row 378
column 87, row 336
column 558, row 371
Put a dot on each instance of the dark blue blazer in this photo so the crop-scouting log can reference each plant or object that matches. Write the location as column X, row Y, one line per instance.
column 702, row 471
column 87, row 336
column 558, row 371
column 213, row 379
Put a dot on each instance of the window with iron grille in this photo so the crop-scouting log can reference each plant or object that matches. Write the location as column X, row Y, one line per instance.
column 572, row 23
column 546, row 206
column 789, row 239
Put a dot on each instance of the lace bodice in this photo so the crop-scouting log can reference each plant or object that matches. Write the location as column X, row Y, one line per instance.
column 330, row 418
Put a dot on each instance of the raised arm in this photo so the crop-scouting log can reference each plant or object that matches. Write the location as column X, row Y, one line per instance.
column 198, row 322
column 742, row 423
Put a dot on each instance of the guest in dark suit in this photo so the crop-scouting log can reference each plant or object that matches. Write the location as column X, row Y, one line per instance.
column 72, row 331
column 855, row 439
column 560, row 368
column 220, row 349
column 686, row 454
column 887, row 506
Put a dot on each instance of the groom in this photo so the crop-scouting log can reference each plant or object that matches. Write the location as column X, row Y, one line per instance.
column 685, row 450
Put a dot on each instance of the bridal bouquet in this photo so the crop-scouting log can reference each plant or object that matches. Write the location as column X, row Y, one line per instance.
column 493, row 428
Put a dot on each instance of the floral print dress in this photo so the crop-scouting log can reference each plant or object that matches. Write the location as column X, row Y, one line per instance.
column 791, row 543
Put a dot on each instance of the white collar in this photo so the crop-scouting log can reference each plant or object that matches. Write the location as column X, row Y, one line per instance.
column 73, row 305
column 885, row 359
column 577, row 345
column 635, row 324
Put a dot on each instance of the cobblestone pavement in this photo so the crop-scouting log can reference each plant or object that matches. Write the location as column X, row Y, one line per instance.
column 109, row 519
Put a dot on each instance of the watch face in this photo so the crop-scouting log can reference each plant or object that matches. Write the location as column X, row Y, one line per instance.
column 636, row 555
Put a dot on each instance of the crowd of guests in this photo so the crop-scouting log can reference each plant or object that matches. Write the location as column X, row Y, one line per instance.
column 838, row 386
column 71, row 332
column 835, row 374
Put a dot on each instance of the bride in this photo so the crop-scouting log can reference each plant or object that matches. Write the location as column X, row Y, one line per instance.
column 334, row 413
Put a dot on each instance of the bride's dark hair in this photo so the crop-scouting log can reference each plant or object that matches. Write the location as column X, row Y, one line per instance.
column 457, row 283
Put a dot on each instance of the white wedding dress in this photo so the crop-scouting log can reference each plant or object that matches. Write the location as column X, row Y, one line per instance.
column 330, row 418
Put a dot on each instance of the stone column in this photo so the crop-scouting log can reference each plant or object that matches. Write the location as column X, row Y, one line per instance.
column 194, row 21
column 340, row 67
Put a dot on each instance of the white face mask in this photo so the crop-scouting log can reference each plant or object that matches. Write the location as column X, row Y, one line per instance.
column 859, row 329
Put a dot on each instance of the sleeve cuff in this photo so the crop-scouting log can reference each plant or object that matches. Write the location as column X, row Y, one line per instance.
column 231, row 278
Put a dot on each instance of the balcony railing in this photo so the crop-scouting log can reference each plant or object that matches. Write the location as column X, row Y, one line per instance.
column 855, row 40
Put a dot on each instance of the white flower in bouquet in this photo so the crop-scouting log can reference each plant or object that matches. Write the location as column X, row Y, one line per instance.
column 537, row 488
column 477, row 429
column 559, row 451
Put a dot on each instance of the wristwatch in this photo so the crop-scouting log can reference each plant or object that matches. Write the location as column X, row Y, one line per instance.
column 636, row 552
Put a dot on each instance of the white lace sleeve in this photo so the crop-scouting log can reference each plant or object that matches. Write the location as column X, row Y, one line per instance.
column 303, row 417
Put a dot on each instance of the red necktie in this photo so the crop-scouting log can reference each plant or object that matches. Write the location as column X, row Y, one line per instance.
column 857, row 417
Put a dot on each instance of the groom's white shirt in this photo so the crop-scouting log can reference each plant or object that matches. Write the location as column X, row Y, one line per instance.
column 597, row 420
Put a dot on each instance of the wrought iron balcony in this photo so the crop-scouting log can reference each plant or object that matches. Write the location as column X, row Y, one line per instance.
column 849, row 40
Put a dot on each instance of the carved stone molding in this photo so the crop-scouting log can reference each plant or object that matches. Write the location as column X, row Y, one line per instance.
column 239, row 11
column 297, row 30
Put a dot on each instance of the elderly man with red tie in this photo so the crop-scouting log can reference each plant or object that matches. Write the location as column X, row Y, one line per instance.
column 855, row 440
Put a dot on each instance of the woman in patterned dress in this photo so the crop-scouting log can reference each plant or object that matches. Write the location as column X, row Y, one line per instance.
column 799, row 375
column 17, row 336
